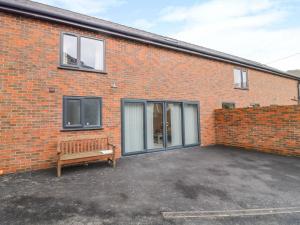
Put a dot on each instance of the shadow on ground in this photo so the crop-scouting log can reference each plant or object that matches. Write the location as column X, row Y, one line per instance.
column 141, row 187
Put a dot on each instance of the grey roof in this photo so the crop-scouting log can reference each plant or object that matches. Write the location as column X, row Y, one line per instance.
column 294, row 72
column 51, row 13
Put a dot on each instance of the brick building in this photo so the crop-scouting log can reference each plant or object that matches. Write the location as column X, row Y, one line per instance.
column 67, row 74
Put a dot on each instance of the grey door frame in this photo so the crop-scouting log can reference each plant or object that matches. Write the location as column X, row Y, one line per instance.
column 164, row 103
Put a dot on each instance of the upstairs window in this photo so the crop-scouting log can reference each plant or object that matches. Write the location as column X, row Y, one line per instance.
column 240, row 78
column 82, row 112
column 82, row 53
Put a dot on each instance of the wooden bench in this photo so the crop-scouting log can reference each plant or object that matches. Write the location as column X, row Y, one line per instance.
column 84, row 149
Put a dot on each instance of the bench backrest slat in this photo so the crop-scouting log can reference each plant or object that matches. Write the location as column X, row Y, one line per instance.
column 73, row 145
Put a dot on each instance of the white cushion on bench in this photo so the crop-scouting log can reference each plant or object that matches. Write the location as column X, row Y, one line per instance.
column 85, row 154
column 106, row 152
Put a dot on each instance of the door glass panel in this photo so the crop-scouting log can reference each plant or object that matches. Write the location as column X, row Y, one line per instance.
column 134, row 127
column 155, row 135
column 190, row 124
column 174, row 124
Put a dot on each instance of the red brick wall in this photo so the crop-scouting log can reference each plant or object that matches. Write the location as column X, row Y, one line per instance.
column 274, row 129
column 31, row 117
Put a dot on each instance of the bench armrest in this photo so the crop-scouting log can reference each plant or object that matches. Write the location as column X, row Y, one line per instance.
column 58, row 148
column 111, row 145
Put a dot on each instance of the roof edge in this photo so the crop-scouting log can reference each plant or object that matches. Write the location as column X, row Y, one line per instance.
column 56, row 17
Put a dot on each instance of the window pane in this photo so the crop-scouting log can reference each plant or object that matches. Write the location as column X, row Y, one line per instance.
column 91, row 109
column 245, row 79
column 69, row 50
column 73, row 112
column 91, row 54
column 237, row 78
column 190, row 124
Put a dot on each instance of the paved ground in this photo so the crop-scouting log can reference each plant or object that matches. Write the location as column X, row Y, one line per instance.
column 141, row 187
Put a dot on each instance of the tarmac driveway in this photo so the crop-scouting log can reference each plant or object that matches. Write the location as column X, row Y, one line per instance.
column 144, row 186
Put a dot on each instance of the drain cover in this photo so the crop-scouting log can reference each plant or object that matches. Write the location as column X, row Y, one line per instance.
column 230, row 213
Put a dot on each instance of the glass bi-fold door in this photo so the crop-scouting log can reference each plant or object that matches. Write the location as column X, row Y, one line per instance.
column 133, row 130
column 155, row 125
column 174, row 124
column 158, row 125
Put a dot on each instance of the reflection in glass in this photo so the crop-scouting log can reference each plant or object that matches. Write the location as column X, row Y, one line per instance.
column 69, row 50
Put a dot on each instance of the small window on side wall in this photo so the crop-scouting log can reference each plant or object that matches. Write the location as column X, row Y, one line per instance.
column 82, row 53
column 240, row 78
column 299, row 93
column 255, row 105
column 82, row 112
column 228, row 105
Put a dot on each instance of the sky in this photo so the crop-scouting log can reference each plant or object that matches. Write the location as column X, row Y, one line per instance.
column 267, row 31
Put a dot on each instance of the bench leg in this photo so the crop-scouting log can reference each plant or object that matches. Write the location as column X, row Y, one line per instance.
column 112, row 162
column 58, row 169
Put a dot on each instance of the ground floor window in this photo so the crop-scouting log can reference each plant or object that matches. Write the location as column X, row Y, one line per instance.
column 228, row 105
column 254, row 105
column 158, row 125
column 82, row 112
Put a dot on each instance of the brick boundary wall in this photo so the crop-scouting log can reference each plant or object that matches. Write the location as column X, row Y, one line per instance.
column 274, row 129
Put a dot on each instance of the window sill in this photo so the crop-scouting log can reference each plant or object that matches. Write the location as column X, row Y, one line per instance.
column 81, row 129
column 80, row 69
column 244, row 89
